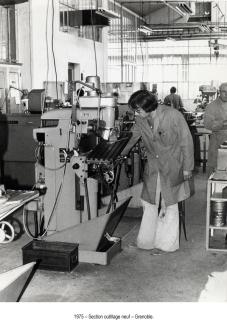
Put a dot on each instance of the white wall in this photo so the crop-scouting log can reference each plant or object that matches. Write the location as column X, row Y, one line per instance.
column 23, row 44
column 166, row 15
column 67, row 47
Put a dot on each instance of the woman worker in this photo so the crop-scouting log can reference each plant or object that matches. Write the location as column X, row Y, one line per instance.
column 170, row 161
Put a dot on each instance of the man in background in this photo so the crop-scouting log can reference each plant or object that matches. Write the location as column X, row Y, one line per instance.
column 174, row 100
column 215, row 119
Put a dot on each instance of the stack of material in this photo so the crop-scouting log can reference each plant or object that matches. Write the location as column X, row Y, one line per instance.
column 14, row 199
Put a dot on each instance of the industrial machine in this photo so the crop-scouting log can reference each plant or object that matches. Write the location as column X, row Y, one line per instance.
column 78, row 154
column 208, row 93
column 124, row 89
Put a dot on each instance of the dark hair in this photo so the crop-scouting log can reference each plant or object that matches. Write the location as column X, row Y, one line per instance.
column 173, row 89
column 144, row 99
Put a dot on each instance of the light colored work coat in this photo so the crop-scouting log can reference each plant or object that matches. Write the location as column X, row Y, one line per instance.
column 214, row 118
column 169, row 147
column 174, row 100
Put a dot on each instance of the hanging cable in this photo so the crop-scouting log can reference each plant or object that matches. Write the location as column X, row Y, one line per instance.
column 37, row 156
column 52, row 48
column 93, row 38
column 30, row 41
column 47, row 49
column 141, row 48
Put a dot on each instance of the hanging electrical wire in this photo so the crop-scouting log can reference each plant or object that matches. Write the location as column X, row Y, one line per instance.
column 93, row 38
column 30, row 42
column 52, row 48
column 47, row 48
column 141, row 48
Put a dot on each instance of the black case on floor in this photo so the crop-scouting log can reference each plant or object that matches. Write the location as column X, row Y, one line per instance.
column 55, row 256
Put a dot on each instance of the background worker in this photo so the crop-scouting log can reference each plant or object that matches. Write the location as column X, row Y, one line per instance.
column 215, row 119
column 174, row 100
column 169, row 148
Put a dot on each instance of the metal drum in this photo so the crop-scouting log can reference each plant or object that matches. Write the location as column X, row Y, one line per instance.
column 218, row 213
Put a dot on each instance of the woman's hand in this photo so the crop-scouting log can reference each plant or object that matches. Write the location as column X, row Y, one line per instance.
column 187, row 175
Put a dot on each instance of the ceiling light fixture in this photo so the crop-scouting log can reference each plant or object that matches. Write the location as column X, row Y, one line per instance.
column 107, row 13
column 169, row 39
column 146, row 30
column 168, row 30
column 204, row 28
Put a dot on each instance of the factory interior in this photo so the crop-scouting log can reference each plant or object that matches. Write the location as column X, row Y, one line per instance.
column 70, row 201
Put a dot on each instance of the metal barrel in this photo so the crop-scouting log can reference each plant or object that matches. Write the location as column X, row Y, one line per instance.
column 218, row 213
column 95, row 82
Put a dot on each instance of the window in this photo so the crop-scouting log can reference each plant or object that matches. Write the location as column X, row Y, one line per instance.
column 7, row 34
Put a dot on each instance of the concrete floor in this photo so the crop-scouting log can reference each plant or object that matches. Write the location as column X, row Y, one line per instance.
column 133, row 275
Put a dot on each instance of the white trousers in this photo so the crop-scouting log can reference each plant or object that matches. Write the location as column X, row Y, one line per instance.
column 159, row 231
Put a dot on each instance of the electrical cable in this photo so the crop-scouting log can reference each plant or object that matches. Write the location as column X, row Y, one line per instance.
column 52, row 48
column 37, row 154
column 141, row 49
column 30, row 41
column 47, row 49
column 2, row 28
column 93, row 37
column 26, row 228
column 99, row 110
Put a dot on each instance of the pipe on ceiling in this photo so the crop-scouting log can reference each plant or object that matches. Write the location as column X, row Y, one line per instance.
column 11, row 2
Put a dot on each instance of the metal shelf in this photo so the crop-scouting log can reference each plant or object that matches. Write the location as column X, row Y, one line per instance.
column 217, row 197
column 215, row 235
column 218, row 227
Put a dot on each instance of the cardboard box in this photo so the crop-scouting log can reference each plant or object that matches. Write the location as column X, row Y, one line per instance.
column 101, row 257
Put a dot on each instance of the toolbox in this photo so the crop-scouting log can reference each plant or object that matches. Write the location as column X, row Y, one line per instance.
column 55, row 256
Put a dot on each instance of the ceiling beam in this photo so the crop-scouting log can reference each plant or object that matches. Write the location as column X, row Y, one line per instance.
column 11, row 2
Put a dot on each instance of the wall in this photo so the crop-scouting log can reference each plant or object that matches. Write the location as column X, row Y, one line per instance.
column 23, row 44
column 165, row 15
column 35, row 47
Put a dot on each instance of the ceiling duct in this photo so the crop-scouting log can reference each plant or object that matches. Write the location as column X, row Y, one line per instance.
column 102, row 7
column 107, row 13
column 184, row 9
column 11, row 2
column 87, row 17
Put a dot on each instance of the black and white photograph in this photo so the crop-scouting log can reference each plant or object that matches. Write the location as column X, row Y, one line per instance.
column 113, row 164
